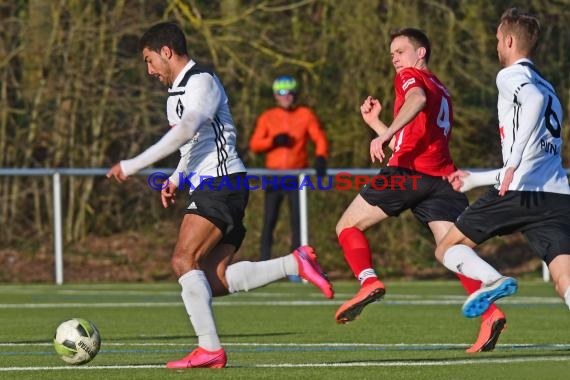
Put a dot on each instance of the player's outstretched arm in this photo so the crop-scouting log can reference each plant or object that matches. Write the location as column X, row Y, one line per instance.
column 465, row 180
column 168, row 144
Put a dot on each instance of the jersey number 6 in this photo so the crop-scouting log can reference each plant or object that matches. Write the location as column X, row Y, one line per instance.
column 551, row 119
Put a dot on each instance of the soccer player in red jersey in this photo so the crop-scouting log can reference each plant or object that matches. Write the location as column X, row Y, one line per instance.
column 419, row 138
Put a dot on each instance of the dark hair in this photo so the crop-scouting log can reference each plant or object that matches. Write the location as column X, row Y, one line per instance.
column 164, row 34
column 523, row 26
column 416, row 37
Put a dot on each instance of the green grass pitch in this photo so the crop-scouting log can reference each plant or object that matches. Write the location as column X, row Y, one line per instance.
column 286, row 331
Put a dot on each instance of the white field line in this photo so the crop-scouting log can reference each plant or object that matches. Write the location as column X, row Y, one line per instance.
column 401, row 363
column 166, row 293
column 253, row 294
column 420, row 363
column 308, row 345
column 230, row 302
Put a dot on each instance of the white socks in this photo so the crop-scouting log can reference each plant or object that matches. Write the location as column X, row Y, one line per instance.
column 242, row 276
column 197, row 297
column 365, row 274
column 567, row 297
column 247, row 275
column 462, row 259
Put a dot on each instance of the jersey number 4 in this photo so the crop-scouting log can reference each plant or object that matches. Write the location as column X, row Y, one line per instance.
column 443, row 116
column 442, row 122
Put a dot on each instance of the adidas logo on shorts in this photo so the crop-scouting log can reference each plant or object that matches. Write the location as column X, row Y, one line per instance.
column 192, row 206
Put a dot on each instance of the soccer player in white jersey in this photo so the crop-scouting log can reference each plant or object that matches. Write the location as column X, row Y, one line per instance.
column 212, row 228
column 531, row 193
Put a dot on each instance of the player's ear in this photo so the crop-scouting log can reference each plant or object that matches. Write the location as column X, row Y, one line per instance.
column 166, row 52
column 421, row 52
column 509, row 40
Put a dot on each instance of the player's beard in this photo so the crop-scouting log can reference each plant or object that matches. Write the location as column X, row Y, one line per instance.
column 166, row 73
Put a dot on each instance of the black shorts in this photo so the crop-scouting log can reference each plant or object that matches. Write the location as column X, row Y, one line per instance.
column 543, row 218
column 222, row 200
column 430, row 198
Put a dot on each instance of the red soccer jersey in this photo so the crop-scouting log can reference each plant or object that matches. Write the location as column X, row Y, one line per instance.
column 423, row 144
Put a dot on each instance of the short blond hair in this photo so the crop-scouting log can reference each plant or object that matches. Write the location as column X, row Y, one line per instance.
column 524, row 26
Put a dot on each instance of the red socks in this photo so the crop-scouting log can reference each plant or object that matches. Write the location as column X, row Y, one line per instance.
column 357, row 253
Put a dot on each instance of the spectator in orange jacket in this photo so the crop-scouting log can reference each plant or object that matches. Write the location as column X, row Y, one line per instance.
column 282, row 133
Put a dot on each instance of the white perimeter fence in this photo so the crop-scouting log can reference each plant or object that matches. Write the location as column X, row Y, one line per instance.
column 57, row 198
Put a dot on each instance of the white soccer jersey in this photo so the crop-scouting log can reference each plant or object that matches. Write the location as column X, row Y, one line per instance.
column 212, row 150
column 201, row 128
column 530, row 122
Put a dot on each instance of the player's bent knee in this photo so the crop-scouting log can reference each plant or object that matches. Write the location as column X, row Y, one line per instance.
column 181, row 264
column 440, row 252
column 339, row 227
column 452, row 238
column 338, row 230
column 342, row 225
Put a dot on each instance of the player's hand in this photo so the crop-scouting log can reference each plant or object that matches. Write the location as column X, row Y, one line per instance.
column 456, row 179
column 507, row 179
column 117, row 173
column 370, row 110
column 377, row 146
column 168, row 194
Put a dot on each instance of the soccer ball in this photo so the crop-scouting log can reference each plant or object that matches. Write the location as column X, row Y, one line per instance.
column 77, row 341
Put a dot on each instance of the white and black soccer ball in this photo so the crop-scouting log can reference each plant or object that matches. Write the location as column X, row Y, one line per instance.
column 77, row 341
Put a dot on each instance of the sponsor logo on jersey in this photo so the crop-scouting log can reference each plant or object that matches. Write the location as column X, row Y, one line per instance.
column 179, row 108
column 193, row 206
column 408, row 83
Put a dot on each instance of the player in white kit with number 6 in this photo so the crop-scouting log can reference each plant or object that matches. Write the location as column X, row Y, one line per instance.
column 531, row 193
